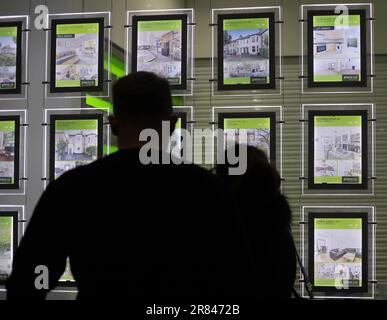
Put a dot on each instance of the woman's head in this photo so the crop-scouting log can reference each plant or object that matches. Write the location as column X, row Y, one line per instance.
column 260, row 175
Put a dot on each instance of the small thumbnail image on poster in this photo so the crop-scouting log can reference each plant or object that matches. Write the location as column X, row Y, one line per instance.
column 77, row 55
column 338, row 149
column 7, row 152
column 8, row 61
column 6, row 246
column 159, row 48
column 246, row 51
column 76, row 144
column 338, row 252
column 336, row 49
column 254, row 132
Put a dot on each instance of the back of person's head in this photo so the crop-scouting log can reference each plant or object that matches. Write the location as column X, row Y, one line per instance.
column 258, row 187
column 142, row 98
column 259, row 172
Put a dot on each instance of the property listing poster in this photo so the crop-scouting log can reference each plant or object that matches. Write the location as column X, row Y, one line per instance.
column 7, row 152
column 76, row 144
column 256, row 131
column 6, row 245
column 336, row 48
column 77, row 52
column 338, row 252
column 338, row 149
column 246, row 51
column 159, row 48
column 8, row 61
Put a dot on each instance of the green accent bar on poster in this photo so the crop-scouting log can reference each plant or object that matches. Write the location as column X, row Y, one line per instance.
column 161, row 25
column 247, row 123
column 246, row 24
column 77, row 28
column 336, row 20
column 6, row 126
column 338, row 121
column 244, row 80
column 334, row 180
column 338, row 223
column 333, row 78
column 8, row 31
column 72, row 83
column 76, row 124
column 331, row 283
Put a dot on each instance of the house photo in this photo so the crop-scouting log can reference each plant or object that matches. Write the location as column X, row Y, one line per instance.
column 5, row 246
column 77, row 57
column 337, row 51
column 7, row 59
column 246, row 53
column 338, row 152
column 256, row 137
column 76, row 145
column 160, row 52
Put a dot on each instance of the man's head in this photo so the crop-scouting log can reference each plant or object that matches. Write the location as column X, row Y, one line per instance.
column 141, row 100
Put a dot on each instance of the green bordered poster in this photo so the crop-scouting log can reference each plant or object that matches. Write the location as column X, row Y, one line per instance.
column 9, row 152
column 337, row 49
column 246, row 51
column 254, row 129
column 77, row 55
column 8, row 242
column 338, row 251
column 75, row 140
column 10, row 57
column 338, row 149
column 159, row 45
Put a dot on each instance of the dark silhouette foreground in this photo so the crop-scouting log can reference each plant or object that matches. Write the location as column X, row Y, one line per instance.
column 134, row 230
column 267, row 216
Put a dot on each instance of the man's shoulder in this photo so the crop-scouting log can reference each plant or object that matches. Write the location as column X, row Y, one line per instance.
column 110, row 164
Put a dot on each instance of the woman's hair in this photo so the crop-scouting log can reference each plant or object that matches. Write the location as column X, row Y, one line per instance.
column 259, row 186
column 259, row 171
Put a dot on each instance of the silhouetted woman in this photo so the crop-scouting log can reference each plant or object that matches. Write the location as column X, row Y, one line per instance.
column 268, row 217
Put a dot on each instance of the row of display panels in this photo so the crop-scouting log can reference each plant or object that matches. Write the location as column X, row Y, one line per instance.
column 337, row 142
column 72, row 137
column 246, row 50
column 338, row 249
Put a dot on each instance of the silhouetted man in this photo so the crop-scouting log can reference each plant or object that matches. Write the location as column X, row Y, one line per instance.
column 134, row 230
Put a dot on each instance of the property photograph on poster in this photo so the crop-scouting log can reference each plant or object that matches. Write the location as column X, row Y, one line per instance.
column 257, row 127
column 8, row 242
column 338, row 149
column 160, row 46
column 175, row 141
column 9, row 152
column 246, row 51
column 75, row 140
column 77, row 55
column 10, row 57
column 337, row 49
column 338, row 251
